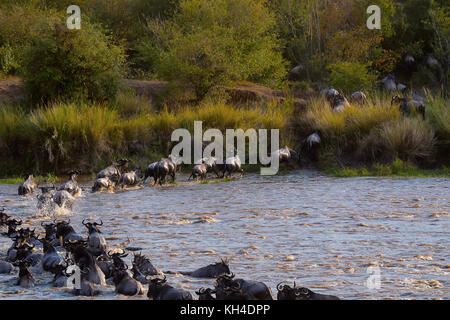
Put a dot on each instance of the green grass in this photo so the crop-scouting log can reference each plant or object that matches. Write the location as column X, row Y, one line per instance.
column 49, row 178
column 397, row 168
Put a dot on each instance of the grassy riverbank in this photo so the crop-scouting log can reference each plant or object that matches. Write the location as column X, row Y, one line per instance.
column 89, row 136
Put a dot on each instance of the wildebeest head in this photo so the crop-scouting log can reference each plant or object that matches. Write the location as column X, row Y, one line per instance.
column 155, row 285
column 117, row 259
column 63, row 228
column 397, row 100
column 205, row 294
column 92, row 226
column 73, row 174
column 3, row 216
column 224, row 266
column 50, row 230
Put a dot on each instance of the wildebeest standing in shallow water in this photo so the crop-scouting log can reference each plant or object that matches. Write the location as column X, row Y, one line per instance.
column 28, row 186
column 114, row 171
column 167, row 167
column 71, row 186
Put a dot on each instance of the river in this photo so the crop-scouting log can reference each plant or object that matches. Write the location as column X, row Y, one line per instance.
column 332, row 235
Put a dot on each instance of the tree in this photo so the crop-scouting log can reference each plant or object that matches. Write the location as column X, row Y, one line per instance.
column 64, row 63
column 208, row 43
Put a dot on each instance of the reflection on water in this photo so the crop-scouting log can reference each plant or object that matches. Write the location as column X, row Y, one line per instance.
column 319, row 231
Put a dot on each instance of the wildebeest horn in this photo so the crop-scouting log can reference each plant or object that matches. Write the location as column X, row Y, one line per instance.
column 280, row 287
column 99, row 224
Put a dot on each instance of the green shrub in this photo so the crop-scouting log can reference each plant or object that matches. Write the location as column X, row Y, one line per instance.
column 72, row 64
column 208, row 43
column 349, row 77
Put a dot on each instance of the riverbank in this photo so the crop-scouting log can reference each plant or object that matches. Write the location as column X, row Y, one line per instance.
column 138, row 125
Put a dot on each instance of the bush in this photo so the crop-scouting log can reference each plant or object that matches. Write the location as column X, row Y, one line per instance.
column 349, row 77
column 408, row 139
column 208, row 43
column 72, row 64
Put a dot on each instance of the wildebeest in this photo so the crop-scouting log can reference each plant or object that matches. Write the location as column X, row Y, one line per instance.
column 138, row 275
column 28, row 186
column 199, row 170
column 286, row 155
column 285, row 292
column 66, row 233
column 406, row 105
column 244, row 289
column 12, row 227
column 64, row 199
column 210, row 271
column 45, row 199
column 206, row 294
column 116, row 257
column 389, row 82
column 145, row 266
column 150, row 171
column 339, row 103
column 103, row 183
column 125, row 284
column 26, row 279
column 71, row 186
column 87, row 263
column 115, row 170
column 51, row 261
column 60, row 277
column 158, row 289
column 96, row 241
column 211, row 165
column 167, row 167
column 358, row 97
column 87, row 288
column 329, row 94
column 232, row 164
column 130, row 178
column 3, row 217
column 311, row 145
column 50, row 230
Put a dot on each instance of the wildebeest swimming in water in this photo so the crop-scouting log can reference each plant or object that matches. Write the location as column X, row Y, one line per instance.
column 28, row 186
column 158, row 289
column 210, row 271
column 96, row 241
column 26, row 279
column 285, row 292
column 125, row 284
column 71, row 186
column 228, row 288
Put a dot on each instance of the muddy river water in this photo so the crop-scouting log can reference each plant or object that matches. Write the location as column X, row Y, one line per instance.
column 331, row 235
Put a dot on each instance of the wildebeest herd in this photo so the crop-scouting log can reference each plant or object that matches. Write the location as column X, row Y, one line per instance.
column 61, row 251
